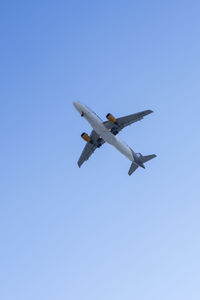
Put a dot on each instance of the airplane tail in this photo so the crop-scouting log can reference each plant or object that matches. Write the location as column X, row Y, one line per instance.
column 133, row 168
column 140, row 163
column 146, row 158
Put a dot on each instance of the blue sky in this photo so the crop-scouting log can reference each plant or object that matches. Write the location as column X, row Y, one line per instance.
column 95, row 232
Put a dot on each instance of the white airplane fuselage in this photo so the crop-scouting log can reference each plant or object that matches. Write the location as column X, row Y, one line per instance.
column 103, row 132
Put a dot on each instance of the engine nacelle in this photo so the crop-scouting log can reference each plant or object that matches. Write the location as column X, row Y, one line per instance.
column 111, row 118
column 86, row 137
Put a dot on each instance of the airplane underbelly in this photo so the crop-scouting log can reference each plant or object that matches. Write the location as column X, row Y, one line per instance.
column 124, row 149
column 110, row 138
column 115, row 141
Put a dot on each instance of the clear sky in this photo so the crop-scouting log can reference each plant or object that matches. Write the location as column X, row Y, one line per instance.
column 95, row 233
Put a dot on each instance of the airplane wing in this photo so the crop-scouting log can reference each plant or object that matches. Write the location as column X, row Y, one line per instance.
column 90, row 147
column 125, row 121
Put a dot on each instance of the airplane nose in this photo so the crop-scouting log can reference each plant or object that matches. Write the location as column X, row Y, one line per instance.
column 74, row 103
column 78, row 106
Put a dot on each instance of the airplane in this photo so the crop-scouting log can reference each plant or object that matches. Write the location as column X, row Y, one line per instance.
column 107, row 132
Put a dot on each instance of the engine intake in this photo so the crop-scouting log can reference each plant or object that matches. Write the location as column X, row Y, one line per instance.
column 86, row 137
column 111, row 118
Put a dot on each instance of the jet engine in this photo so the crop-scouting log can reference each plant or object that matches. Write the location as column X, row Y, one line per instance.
column 86, row 137
column 111, row 118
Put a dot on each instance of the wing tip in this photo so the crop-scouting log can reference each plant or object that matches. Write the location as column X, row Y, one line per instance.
column 147, row 112
column 79, row 164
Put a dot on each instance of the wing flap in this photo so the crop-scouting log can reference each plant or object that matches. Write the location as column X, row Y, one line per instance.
column 87, row 152
column 128, row 120
column 125, row 121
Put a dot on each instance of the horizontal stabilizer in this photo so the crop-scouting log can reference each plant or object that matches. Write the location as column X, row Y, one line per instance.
column 132, row 169
column 146, row 158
